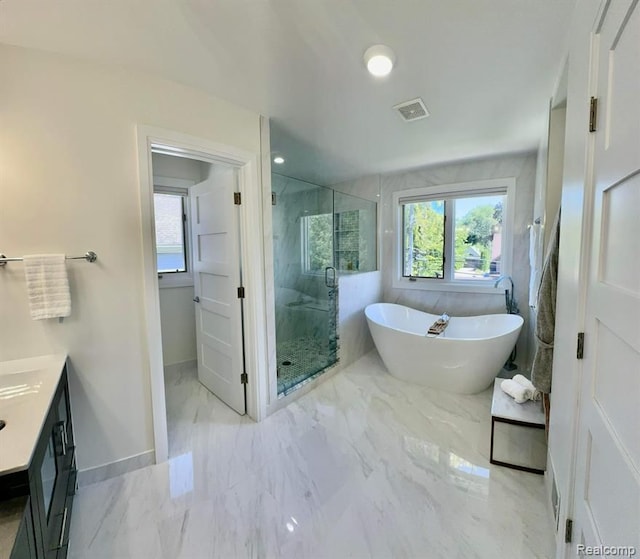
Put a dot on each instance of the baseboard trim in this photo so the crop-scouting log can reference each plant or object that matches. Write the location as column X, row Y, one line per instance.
column 175, row 367
column 113, row 469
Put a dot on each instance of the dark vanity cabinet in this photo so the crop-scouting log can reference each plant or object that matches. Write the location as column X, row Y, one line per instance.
column 49, row 484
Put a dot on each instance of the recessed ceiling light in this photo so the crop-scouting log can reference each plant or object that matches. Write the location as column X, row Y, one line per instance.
column 379, row 60
column 278, row 160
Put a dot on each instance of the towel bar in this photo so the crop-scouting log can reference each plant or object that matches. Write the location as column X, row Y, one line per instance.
column 89, row 257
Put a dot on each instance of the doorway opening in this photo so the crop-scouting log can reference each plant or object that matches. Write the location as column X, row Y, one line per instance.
column 198, row 239
column 199, row 272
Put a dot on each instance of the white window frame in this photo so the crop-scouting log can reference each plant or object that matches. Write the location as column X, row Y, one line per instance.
column 505, row 186
column 177, row 187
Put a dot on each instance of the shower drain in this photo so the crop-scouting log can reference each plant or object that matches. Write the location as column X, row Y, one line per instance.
column 299, row 359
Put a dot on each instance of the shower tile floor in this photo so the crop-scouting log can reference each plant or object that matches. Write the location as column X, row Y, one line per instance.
column 362, row 466
column 300, row 359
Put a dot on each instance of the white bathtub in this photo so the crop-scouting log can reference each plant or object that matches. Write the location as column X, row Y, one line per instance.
column 465, row 359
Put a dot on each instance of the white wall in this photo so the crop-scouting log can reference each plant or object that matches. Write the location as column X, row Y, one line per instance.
column 178, row 318
column 179, row 167
column 521, row 166
column 69, row 183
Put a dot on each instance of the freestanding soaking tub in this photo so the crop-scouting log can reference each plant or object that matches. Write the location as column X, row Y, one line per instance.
column 465, row 358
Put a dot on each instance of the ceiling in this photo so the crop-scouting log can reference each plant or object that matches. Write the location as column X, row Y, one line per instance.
column 485, row 68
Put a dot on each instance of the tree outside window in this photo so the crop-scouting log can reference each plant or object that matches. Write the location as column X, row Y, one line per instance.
column 477, row 237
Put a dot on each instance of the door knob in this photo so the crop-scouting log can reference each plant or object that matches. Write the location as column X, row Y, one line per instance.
column 196, row 299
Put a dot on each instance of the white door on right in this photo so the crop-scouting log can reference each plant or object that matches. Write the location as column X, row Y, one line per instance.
column 607, row 490
column 215, row 237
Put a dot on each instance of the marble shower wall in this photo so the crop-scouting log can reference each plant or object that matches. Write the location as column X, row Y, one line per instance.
column 359, row 290
column 356, row 292
column 520, row 166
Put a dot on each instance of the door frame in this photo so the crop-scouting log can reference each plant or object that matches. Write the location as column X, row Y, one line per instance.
column 251, row 259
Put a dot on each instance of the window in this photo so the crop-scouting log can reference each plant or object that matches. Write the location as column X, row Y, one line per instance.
column 454, row 236
column 170, row 233
column 173, row 253
column 317, row 243
column 350, row 246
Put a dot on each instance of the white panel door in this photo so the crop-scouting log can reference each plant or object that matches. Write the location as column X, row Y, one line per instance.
column 216, row 265
column 607, row 490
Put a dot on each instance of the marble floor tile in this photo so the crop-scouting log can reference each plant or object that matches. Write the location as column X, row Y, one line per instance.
column 362, row 466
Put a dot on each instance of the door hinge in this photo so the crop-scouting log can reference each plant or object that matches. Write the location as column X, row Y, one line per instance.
column 593, row 114
column 240, row 292
column 273, row 199
column 184, row 218
column 244, row 378
column 568, row 531
column 580, row 346
column 237, row 198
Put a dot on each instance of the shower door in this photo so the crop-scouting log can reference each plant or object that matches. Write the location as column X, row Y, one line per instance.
column 306, row 292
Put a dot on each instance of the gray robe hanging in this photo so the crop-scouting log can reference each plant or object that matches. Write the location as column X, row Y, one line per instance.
column 546, row 320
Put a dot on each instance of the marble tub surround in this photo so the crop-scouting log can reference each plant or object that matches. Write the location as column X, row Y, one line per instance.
column 362, row 466
column 523, row 168
column 356, row 293
column 27, row 387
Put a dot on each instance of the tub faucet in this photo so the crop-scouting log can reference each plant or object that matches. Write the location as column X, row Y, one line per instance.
column 509, row 295
column 512, row 308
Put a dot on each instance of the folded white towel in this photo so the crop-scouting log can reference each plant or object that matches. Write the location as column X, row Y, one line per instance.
column 518, row 392
column 536, row 395
column 47, row 285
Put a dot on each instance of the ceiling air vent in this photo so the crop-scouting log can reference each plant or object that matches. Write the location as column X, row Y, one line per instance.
column 412, row 110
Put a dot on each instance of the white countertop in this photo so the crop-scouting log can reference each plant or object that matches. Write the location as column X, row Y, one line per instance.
column 27, row 387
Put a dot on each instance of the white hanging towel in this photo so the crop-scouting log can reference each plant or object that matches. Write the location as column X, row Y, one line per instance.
column 47, row 285
column 536, row 237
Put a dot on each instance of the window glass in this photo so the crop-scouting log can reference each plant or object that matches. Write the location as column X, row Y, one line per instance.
column 478, row 237
column 317, row 242
column 170, row 241
column 457, row 233
column 423, row 239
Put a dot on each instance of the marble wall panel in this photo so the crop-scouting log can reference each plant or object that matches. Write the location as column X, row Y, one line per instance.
column 520, row 166
column 356, row 292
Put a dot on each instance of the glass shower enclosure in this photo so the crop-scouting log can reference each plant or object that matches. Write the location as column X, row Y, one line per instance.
column 315, row 231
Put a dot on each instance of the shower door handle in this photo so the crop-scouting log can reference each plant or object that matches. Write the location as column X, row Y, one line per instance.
column 333, row 276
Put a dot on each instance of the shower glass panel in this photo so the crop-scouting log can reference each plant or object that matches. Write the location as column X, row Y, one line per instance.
column 355, row 234
column 305, row 295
